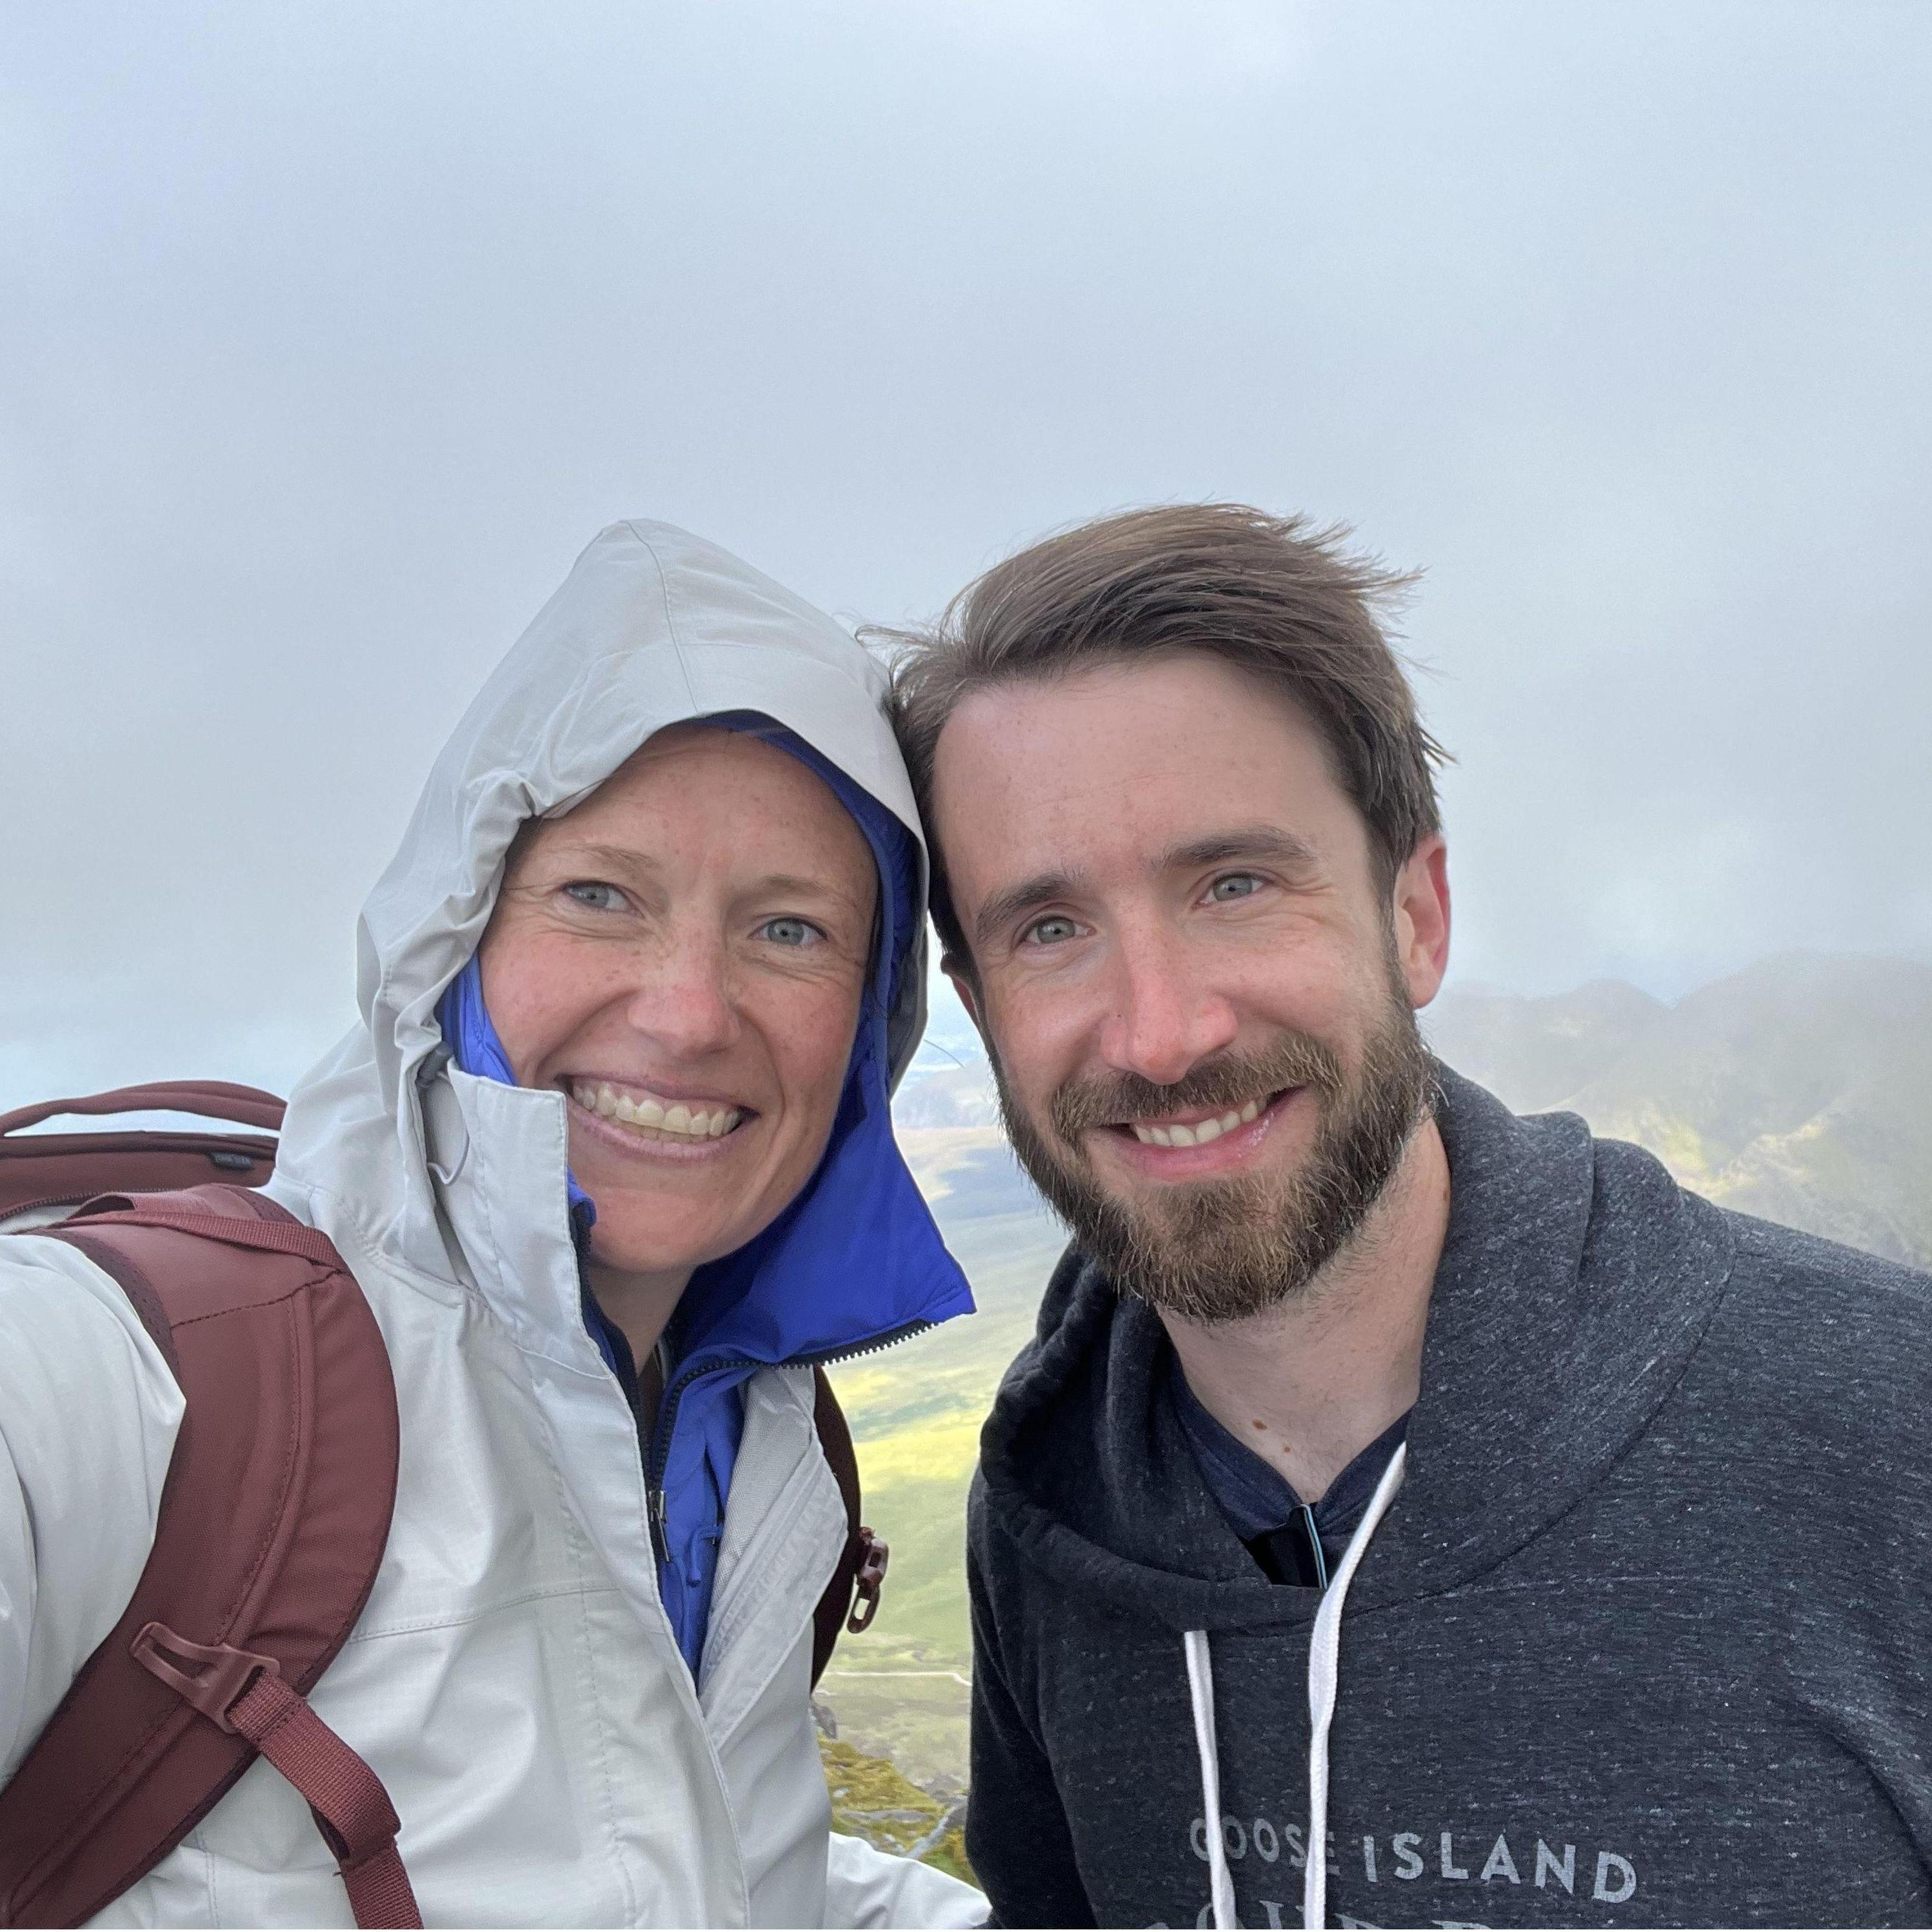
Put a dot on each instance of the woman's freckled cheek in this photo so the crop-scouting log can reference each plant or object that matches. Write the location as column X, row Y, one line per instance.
column 544, row 988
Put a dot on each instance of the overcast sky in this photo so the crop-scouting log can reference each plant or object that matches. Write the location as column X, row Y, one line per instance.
column 329, row 334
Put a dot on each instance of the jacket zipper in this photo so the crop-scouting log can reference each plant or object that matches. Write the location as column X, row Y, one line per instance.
column 654, row 1475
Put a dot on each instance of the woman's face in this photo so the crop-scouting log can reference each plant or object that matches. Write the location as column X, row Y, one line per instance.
column 683, row 956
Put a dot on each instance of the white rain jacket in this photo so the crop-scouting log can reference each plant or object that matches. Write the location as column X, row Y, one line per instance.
column 513, row 1679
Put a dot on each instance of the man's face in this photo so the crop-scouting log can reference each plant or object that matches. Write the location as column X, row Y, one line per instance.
column 1199, row 1002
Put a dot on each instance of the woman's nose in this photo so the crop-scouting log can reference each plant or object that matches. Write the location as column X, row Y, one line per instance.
column 684, row 999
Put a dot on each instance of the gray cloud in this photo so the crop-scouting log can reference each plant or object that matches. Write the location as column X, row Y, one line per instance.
column 333, row 330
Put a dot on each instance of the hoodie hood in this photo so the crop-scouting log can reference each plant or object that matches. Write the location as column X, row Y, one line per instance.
column 417, row 1149
column 1575, row 1281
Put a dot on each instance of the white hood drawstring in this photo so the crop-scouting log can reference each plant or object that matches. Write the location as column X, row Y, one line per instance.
column 1325, row 1654
column 1325, row 1649
column 1201, row 1688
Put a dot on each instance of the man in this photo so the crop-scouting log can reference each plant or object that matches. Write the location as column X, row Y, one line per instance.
column 1406, row 1513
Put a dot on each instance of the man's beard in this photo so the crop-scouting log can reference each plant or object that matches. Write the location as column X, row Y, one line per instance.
column 1215, row 1251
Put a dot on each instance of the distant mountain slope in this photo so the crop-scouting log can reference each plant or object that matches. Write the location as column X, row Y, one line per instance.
column 916, row 1409
column 954, row 1097
column 1794, row 1089
column 1535, row 1054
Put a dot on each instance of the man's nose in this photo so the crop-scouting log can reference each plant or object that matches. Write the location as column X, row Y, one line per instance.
column 1165, row 1016
column 685, row 999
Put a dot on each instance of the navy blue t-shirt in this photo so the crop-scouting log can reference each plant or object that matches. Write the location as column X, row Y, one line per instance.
column 1293, row 1541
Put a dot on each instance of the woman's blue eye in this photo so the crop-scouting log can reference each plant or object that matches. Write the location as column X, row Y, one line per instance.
column 598, row 897
column 1051, row 931
column 790, row 931
column 1235, row 885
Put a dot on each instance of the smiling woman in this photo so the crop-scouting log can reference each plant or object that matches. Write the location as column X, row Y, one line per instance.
column 610, row 1157
column 683, row 957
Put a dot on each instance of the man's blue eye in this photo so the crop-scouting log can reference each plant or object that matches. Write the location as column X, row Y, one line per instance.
column 1050, row 931
column 1236, row 886
column 592, row 892
column 789, row 931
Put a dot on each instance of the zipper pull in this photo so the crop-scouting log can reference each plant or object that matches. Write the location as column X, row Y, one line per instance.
column 869, row 1581
column 654, row 1512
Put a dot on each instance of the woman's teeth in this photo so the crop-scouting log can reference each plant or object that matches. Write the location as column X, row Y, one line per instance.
column 1200, row 1132
column 668, row 1117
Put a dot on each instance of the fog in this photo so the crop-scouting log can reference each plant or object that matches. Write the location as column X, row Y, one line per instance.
column 331, row 332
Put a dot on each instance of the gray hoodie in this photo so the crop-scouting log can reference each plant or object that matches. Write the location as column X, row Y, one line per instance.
column 1638, row 1632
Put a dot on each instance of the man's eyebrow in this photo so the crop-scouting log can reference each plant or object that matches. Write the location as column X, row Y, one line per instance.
column 1266, row 842
column 1004, row 907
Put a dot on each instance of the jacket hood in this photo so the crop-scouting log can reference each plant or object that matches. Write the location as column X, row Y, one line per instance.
column 1575, row 1283
column 460, row 1181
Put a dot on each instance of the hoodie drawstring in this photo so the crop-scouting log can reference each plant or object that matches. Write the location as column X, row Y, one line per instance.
column 1324, row 1657
column 1201, row 1688
column 1325, row 1651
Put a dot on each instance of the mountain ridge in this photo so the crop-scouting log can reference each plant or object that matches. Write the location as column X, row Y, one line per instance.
column 1789, row 1089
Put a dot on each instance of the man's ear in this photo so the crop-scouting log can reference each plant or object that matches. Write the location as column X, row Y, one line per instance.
column 1421, row 912
column 961, row 974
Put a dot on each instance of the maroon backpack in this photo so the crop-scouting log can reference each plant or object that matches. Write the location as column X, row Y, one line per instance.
column 272, row 1522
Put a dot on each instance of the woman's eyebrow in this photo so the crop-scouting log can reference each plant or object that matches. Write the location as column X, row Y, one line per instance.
column 793, row 885
column 616, row 858
column 627, row 860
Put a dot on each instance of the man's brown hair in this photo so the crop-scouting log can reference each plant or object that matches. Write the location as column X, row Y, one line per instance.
column 1286, row 602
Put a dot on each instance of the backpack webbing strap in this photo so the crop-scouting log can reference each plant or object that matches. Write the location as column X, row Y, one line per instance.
column 279, row 1237
column 347, row 1798
column 242, row 1692
column 270, row 1528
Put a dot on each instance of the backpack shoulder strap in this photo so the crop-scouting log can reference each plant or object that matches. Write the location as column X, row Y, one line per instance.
column 272, row 1523
column 851, row 1599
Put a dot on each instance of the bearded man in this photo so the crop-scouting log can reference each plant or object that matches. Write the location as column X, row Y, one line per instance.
column 1622, row 1495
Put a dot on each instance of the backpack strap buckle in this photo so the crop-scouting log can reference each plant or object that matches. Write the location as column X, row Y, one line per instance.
column 225, row 1677
column 873, row 1557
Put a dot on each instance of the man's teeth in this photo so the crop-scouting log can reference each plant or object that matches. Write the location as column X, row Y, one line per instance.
column 1198, row 1135
column 669, row 1116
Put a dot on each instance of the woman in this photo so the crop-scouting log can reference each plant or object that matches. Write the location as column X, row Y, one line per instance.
column 610, row 1157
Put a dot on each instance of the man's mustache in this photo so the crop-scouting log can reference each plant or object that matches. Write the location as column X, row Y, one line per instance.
column 1228, row 1080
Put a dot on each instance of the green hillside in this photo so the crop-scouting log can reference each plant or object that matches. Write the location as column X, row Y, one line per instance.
column 916, row 1412
column 916, row 1409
